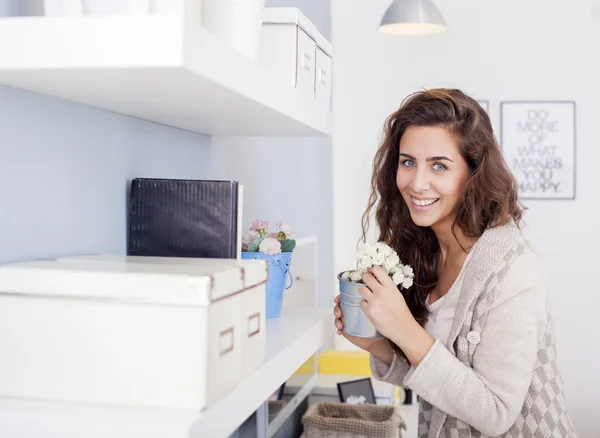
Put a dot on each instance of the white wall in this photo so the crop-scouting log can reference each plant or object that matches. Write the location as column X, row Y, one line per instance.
column 65, row 171
column 285, row 179
column 495, row 50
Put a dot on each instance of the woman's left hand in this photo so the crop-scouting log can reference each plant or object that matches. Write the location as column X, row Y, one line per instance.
column 385, row 305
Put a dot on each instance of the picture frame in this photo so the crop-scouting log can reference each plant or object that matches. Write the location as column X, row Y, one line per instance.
column 358, row 391
column 539, row 143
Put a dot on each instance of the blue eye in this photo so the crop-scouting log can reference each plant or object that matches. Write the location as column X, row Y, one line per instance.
column 408, row 163
column 439, row 167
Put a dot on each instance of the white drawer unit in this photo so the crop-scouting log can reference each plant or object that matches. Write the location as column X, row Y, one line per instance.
column 130, row 331
column 293, row 47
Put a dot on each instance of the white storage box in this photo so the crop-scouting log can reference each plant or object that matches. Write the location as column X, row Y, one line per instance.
column 147, row 332
column 292, row 46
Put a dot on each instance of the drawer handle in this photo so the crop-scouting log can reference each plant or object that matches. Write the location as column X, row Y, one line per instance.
column 253, row 325
column 322, row 77
column 226, row 341
column 306, row 61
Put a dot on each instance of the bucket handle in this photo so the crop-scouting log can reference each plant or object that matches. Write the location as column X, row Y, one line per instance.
column 286, row 272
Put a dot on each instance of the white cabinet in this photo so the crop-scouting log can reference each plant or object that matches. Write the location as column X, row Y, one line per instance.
column 296, row 50
column 133, row 332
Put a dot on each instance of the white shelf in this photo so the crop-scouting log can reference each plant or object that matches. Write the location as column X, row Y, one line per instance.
column 291, row 340
column 155, row 68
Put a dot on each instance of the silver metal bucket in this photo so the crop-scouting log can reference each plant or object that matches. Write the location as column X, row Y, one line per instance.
column 354, row 319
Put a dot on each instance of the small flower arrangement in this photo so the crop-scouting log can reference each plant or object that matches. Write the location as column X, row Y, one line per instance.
column 258, row 239
column 380, row 254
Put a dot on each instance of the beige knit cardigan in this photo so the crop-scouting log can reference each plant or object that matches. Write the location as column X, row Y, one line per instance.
column 497, row 374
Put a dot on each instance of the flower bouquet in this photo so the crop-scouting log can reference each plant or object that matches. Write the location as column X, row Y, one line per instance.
column 354, row 319
column 276, row 249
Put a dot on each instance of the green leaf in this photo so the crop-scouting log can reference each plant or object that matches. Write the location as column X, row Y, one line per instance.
column 288, row 245
column 253, row 246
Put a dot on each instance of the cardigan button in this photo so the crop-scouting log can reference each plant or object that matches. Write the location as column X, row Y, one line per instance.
column 473, row 338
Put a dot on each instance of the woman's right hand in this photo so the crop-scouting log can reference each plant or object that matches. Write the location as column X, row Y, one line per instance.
column 372, row 345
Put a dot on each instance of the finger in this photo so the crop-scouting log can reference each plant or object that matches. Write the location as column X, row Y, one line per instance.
column 371, row 281
column 380, row 275
column 365, row 292
column 339, row 326
column 364, row 305
column 337, row 311
column 337, row 299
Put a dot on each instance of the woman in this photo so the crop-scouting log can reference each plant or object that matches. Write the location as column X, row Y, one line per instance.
column 473, row 337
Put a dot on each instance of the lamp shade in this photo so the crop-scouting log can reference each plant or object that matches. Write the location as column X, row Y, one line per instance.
column 412, row 17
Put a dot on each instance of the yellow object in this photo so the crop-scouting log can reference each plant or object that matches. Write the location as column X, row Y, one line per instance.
column 347, row 362
column 308, row 367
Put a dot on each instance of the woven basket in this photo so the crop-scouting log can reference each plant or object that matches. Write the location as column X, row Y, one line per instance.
column 342, row 420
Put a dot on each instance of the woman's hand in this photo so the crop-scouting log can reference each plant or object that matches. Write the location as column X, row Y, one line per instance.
column 379, row 347
column 386, row 308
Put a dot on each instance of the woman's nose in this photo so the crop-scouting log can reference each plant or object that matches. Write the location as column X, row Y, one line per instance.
column 420, row 181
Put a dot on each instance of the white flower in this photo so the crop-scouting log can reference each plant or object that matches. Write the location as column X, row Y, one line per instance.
column 249, row 237
column 365, row 261
column 270, row 246
column 387, row 251
column 381, row 254
column 346, row 275
column 378, row 259
column 366, row 249
column 391, row 261
column 355, row 276
column 398, row 278
column 287, row 230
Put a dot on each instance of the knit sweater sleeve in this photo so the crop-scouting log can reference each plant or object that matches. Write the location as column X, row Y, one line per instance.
column 393, row 373
column 490, row 395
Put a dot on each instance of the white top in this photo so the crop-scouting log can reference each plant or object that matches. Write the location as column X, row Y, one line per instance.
column 441, row 313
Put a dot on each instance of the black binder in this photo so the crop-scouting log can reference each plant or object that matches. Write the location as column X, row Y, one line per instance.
column 184, row 218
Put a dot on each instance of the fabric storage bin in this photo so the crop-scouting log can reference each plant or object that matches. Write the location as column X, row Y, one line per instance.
column 293, row 47
column 342, row 420
column 137, row 333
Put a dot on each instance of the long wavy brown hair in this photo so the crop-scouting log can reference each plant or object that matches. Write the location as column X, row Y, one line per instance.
column 489, row 200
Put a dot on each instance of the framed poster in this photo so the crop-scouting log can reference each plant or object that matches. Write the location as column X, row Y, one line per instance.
column 357, row 391
column 538, row 143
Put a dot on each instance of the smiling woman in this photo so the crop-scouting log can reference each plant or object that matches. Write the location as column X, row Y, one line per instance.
column 473, row 337
column 451, row 185
column 431, row 174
